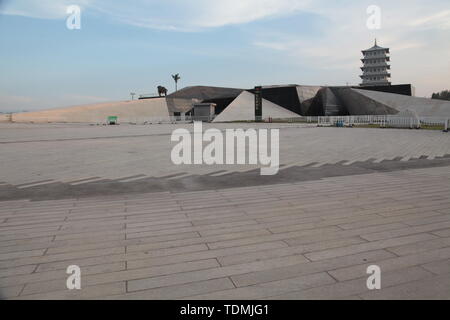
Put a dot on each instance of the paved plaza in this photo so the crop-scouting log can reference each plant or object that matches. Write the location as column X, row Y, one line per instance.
column 109, row 200
column 63, row 160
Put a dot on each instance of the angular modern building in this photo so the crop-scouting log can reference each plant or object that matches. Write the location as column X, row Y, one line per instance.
column 279, row 102
column 376, row 68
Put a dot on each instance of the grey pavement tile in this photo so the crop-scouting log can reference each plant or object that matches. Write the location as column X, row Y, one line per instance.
column 197, row 240
column 89, row 279
column 60, row 257
column 92, row 292
column 435, row 288
column 357, row 286
column 213, row 273
column 367, row 246
column 438, row 267
column 393, row 263
column 36, row 279
column 199, row 255
column 421, row 246
column 408, row 219
column 342, row 233
column 406, row 231
column 281, row 252
column 10, row 292
column 20, row 254
column 9, row 272
column 177, row 291
column 288, row 272
column 442, row 233
column 268, row 289
column 271, row 237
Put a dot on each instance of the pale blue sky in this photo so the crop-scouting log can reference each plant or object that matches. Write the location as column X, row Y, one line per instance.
column 238, row 43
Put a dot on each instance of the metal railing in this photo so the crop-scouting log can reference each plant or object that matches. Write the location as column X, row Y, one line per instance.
column 148, row 95
column 384, row 121
column 190, row 119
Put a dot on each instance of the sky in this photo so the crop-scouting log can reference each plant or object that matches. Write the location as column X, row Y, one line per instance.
column 134, row 46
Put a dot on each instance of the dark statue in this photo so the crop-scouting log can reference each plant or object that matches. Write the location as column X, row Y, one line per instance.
column 162, row 91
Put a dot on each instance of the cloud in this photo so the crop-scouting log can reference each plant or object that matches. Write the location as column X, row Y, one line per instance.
column 178, row 15
column 41, row 9
column 221, row 13
column 195, row 15
column 281, row 46
column 438, row 20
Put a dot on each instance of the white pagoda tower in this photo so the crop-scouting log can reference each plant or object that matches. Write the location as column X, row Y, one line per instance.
column 376, row 66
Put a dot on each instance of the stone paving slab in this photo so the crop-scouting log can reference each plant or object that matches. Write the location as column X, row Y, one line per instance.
column 302, row 240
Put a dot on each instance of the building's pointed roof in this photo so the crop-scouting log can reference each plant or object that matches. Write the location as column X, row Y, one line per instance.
column 243, row 108
column 375, row 47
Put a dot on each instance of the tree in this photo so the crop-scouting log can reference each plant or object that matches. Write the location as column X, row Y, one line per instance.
column 443, row 95
column 176, row 77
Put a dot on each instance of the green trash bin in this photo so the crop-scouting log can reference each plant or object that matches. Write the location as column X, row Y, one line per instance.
column 112, row 120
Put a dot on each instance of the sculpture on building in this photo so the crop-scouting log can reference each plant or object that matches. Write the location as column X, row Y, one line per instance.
column 162, row 91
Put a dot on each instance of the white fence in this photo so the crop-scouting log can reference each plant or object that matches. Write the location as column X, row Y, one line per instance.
column 385, row 121
column 189, row 119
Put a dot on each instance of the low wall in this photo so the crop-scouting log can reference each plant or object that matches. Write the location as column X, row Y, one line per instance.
column 5, row 117
column 126, row 111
